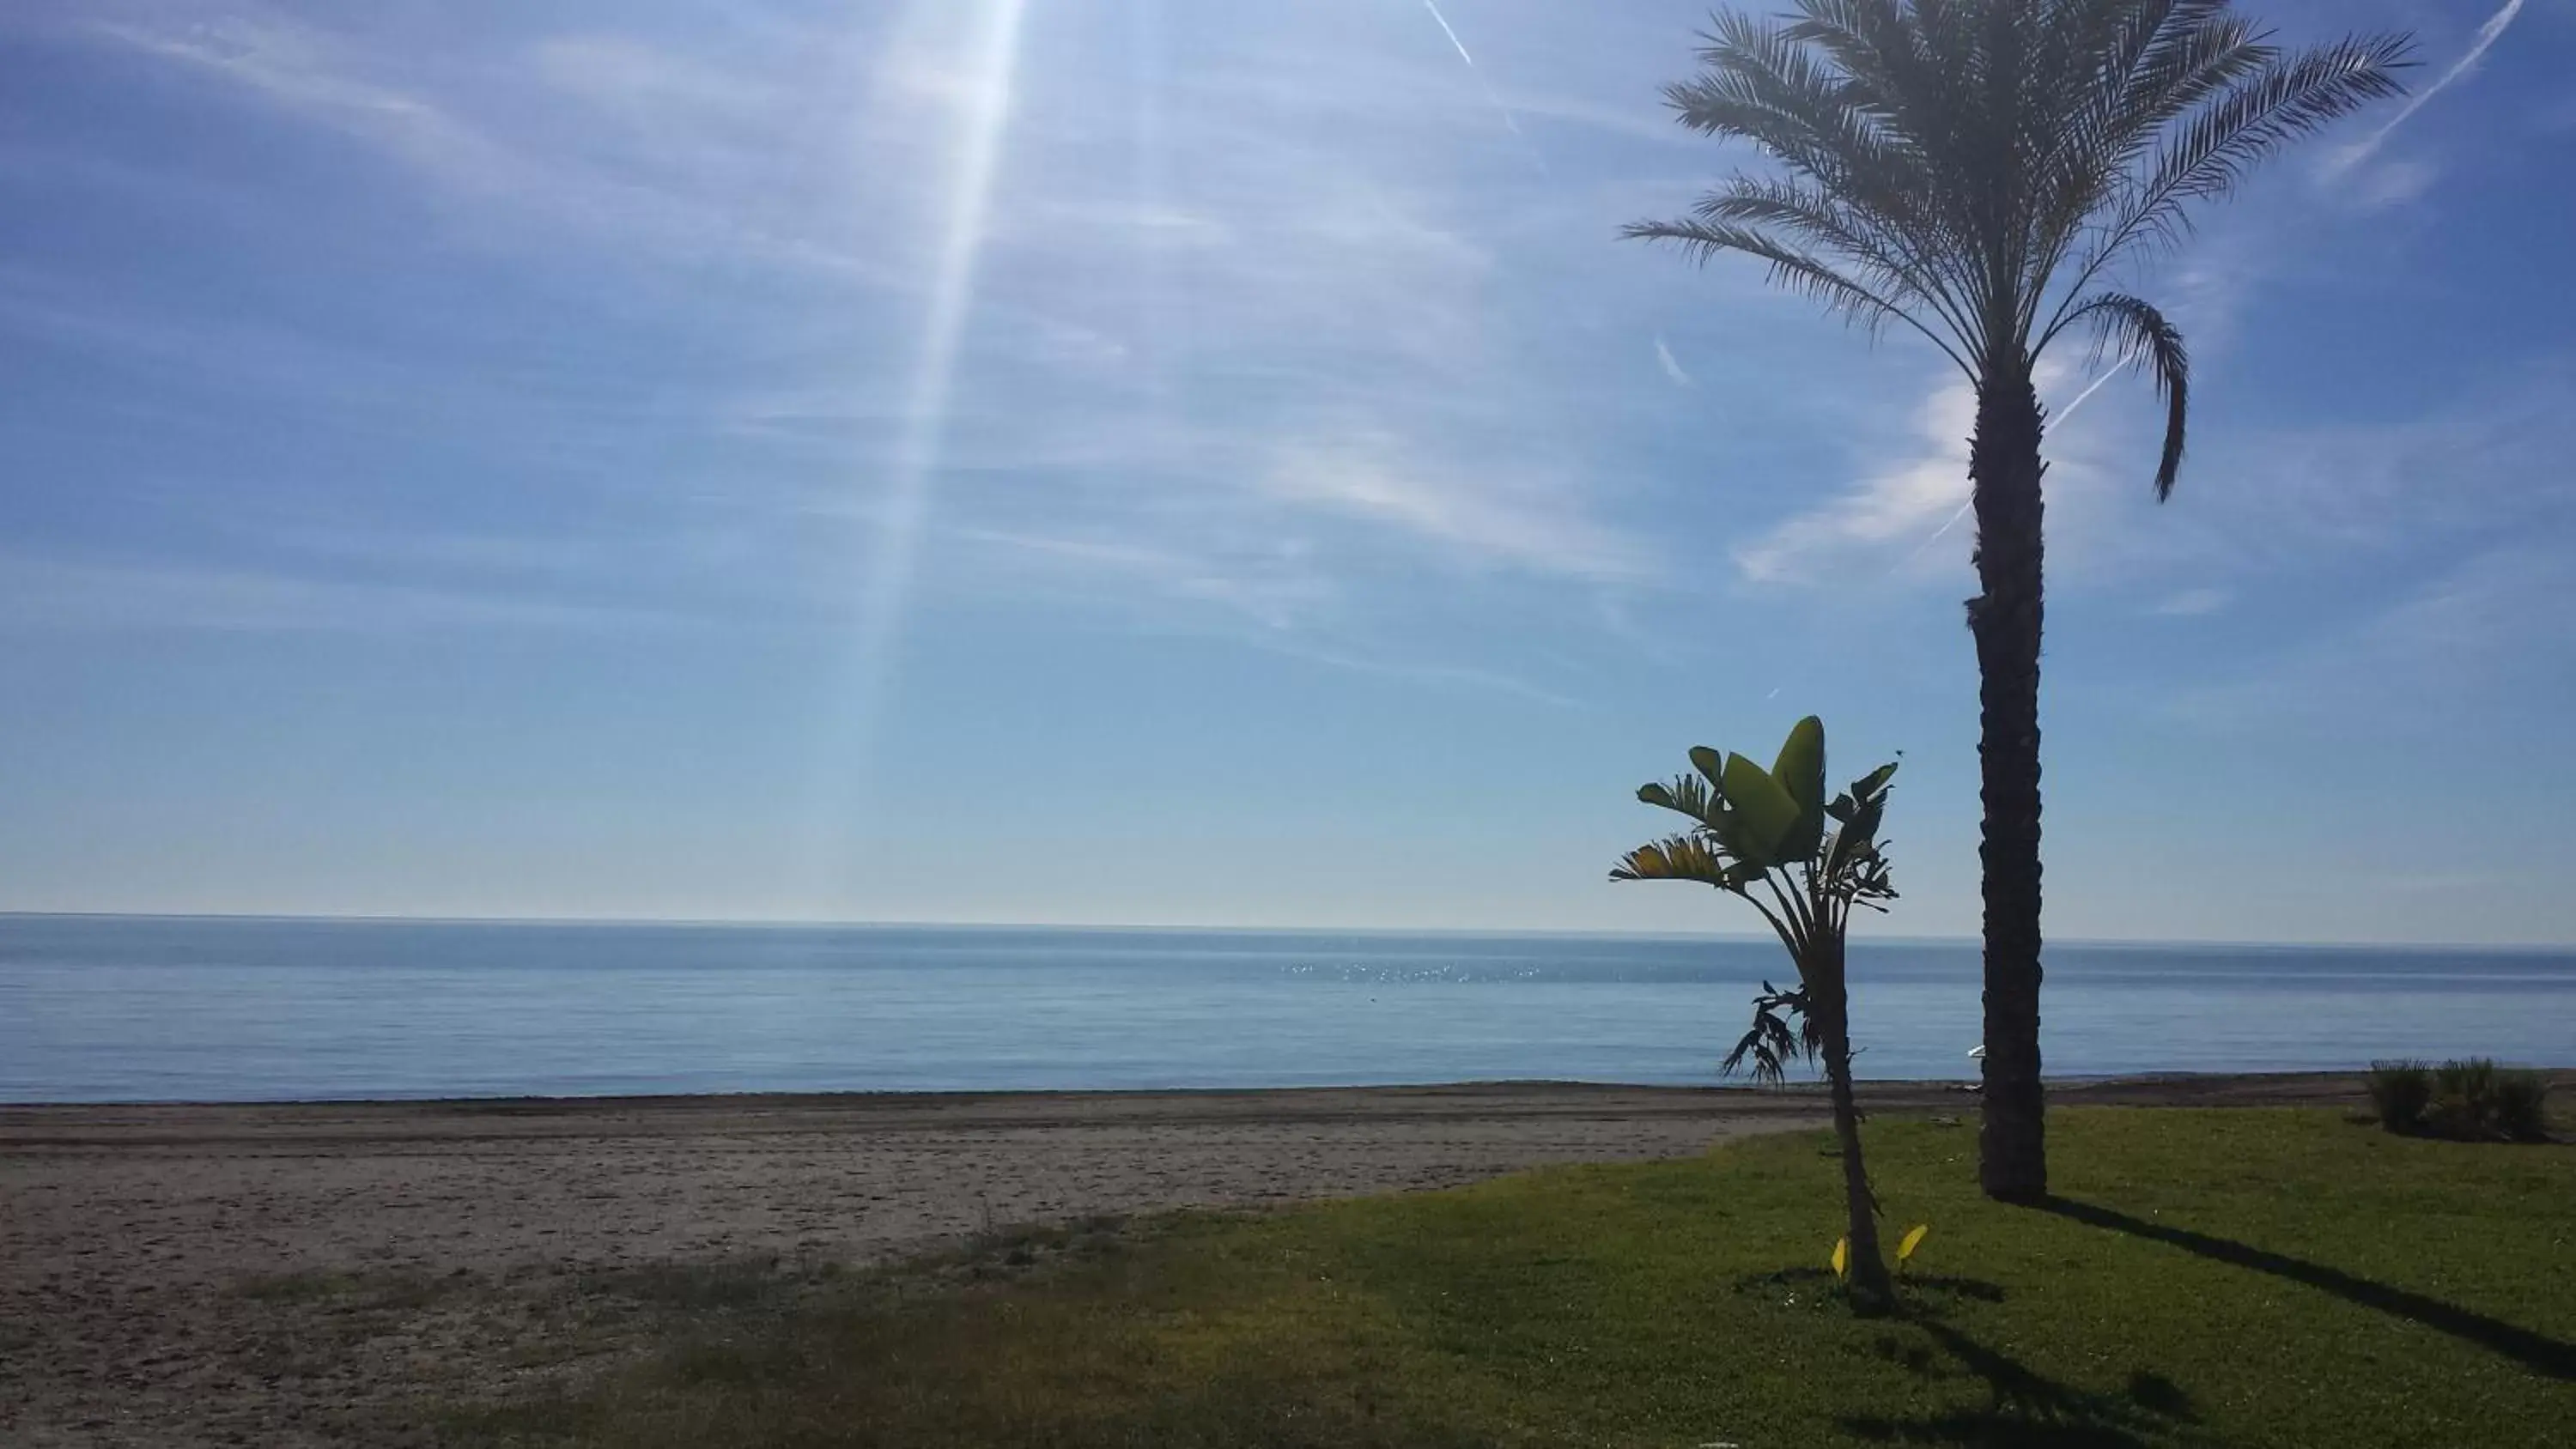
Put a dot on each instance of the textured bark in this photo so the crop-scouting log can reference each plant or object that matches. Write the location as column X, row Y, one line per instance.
column 2005, row 467
column 1831, row 1001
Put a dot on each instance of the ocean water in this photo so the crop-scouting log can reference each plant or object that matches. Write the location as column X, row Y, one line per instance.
column 151, row 1009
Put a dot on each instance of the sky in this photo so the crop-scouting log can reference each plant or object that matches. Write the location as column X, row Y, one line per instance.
column 1143, row 462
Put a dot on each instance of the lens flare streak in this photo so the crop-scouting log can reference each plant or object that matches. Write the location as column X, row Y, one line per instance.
column 888, row 582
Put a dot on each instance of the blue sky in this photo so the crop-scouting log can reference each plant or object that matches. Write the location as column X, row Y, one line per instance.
column 1144, row 462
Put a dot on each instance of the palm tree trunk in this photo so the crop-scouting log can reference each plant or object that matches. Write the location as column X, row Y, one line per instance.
column 2005, row 467
column 1870, row 1290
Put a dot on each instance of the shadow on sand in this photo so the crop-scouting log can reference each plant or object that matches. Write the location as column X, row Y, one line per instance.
column 2535, row 1351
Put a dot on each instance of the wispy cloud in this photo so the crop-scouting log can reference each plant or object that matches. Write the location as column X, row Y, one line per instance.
column 2394, row 183
column 1434, row 674
column 1513, row 519
column 650, row 85
column 2194, row 603
column 1672, row 365
column 1282, row 261
column 2493, row 458
column 1918, row 500
column 1893, row 506
column 1279, row 587
column 601, row 140
column 2466, row 642
column 56, row 594
column 1269, row 323
column 298, row 68
column 1294, row 608
column 2334, row 509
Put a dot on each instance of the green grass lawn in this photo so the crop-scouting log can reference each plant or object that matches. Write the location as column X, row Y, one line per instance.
column 2212, row 1277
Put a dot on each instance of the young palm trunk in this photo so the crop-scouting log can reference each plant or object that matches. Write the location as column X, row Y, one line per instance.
column 1830, row 999
column 2005, row 467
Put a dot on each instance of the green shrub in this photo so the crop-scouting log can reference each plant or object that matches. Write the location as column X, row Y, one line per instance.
column 2522, row 1106
column 2463, row 1099
column 2472, row 1100
column 2401, row 1091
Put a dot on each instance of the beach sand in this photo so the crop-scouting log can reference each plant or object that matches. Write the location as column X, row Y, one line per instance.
column 278, row 1274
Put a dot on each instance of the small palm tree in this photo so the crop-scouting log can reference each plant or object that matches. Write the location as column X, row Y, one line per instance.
column 1755, row 830
column 1982, row 172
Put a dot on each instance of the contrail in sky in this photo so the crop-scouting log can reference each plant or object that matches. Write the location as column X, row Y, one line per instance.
column 2085, row 396
column 1944, row 528
column 1491, row 96
column 1447, row 30
column 2488, row 34
column 2068, row 411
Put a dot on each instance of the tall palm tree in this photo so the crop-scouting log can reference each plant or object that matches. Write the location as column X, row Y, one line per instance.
column 1986, row 173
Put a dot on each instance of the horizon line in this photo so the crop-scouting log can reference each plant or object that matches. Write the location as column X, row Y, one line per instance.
column 1149, row 928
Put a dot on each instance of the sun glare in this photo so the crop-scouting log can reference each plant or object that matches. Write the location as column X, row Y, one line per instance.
column 975, row 162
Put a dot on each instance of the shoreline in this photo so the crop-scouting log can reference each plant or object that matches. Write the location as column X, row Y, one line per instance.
column 217, row 1188
column 2252, row 1084
column 127, row 1196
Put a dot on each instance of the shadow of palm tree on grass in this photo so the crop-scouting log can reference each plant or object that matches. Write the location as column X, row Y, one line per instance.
column 2535, row 1351
column 2026, row 1409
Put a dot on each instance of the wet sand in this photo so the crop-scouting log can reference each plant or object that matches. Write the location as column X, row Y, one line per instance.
column 160, row 1266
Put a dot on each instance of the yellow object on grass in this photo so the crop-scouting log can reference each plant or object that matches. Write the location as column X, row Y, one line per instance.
column 1913, row 1240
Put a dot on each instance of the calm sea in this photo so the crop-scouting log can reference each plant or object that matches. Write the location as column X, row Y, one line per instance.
column 135, row 1009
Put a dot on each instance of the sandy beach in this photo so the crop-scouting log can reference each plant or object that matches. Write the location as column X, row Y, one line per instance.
column 166, row 1272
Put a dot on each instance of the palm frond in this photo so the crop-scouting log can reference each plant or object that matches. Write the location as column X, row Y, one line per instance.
column 1682, row 857
column 1975, row 169
column 1690, row 795
column 1895, row 266
column 2221, row 141
column 2129, row 329
column 1761, row 84
column 2219, row 144
column 2196, row 49
column 1874, row 42
column 2120, row 87
column 1772, row 1043
column 1794, row 270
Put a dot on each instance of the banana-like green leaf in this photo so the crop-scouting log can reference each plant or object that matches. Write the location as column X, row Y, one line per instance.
column 1873, row 782
column 1767, row 814
column 1741, row 843
column 1801, row 766
column 1801, row 772
column 1709, row 763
